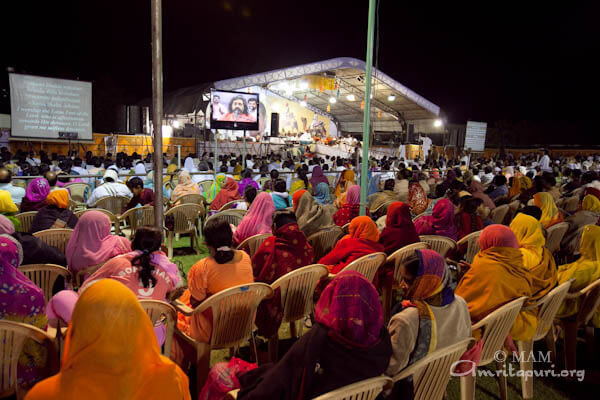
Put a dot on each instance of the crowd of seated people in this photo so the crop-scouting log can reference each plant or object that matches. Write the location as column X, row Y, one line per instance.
column 291, row 199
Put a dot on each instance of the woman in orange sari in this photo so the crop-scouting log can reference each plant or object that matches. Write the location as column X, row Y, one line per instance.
column 550, row 213
column 344, row 183
column 496, row 277
column 111, row 352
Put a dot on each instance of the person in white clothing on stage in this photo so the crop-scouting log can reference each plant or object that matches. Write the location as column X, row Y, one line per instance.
column 426, row 146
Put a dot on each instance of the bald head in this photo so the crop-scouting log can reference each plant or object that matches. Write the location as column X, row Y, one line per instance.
column 5, row 175
column 51, row 178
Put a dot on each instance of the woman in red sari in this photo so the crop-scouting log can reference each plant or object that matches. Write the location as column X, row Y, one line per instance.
column 350, row 209
column 281, row 253
column 467, row 221
column 228, row 193
column 399, row 229
column 362, row 240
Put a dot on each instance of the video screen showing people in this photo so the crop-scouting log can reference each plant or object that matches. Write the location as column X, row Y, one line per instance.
column 234, row 110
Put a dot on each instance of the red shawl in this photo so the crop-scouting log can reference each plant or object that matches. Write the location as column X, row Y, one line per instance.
column 228, row 193
column 284, row 252
column 467, row 223
column 347, row 213
column 399, row 230
column 348, row 250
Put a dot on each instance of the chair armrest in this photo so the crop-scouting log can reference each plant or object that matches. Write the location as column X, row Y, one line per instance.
column 574, row 295
column 182, row 308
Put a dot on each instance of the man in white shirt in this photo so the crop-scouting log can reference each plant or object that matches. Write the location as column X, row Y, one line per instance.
column 544, row 163
column 426, row 146
column 111, row 187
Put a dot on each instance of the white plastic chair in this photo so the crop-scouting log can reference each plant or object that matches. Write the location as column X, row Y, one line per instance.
column 441, row 244
column 547, row 308
column 44, row 276
column 26, row 219
column 185, row 221
column 495, row 329
column 296, row 289
column 233, row 217
column 472, row 241
column 555, row 235
column 253, row 243
column 367, row 265
column 381, row 223
column 323, row 241
column 497, row 214
column 12, row 339
column 159, row 311
column 55, row 237
column 432, row 373
column 233, row 312
column 138, row 217
column 398, row 258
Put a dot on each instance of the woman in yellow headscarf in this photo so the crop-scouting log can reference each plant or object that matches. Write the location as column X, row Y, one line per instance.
column 536, row 258
column 9, row 209
column 515, row 188
column 585, row 271
column 496, row 277
column 111, row 352
column 344, row 183
column 550, row 214
column 215, row 188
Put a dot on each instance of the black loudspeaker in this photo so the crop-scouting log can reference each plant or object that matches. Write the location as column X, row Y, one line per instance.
column 135, row 119
column 274, row 124
column 189, row 130
column 411, row 134
column 121, row 119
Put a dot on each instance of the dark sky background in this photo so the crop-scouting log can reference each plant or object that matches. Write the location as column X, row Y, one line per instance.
column 507, row 61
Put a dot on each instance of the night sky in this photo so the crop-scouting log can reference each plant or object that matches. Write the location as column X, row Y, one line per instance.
column 507, row 61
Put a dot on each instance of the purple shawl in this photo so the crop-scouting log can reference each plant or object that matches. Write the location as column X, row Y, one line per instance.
column 440, row 223
column 37, row 190
column 318, row 177
column 245, row 182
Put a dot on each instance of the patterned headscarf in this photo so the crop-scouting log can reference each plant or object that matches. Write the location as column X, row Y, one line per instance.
column 417, row 199
column 350, row 308
column 37, row 190
column 431, row 287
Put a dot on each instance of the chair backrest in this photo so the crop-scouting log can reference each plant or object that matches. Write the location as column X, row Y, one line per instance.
column 555, row 236
column 400, row 256
column 496, row 326
column 548, row 308
column 297, row 289
column 331, row 180
column 229, row 205
column 233, row 217
column 441, row 244
column 185, row 217
column 233, row 313
column 253, row 243
column 44, row 276
column 78, row 190
column 55, row 237
column 345, row 228
column 367, row 265
column 138, row 217
column 472, row 241
column 189, row 199
column 367, row 389
column 432, row 373
column 381, row 223
column 81, row 275
column 324, row 240
column 263, row 180
column 26, row 220
column 160, row 311
column 12, row 338
column 206, row 186
column 571, row 204
column 497, row 214
column 114, row 204
column 513, row 207
column 590, row 302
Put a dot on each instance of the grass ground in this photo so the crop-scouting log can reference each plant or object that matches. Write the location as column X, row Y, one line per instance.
column 548, row 388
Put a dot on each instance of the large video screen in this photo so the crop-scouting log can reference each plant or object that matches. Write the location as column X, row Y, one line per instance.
column 50, row 108
column 234, row 110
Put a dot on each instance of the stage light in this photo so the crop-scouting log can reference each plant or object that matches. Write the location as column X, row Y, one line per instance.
column 351, row 97
column 391, row 97
column 303, row 85
column 332, row 100
column 167, row 131
column 289, row 92
column 303, row 103
column 438, row 123
column 175, row 124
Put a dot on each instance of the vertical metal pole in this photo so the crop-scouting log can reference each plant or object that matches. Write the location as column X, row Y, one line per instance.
column 178, row 156
column 157, row 108
column 367, row 111
column 244, row 153
column 216, row 166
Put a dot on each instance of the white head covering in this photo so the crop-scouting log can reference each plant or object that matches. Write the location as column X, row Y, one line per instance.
column 111, row 173
column 189, row 165
column 140, row 168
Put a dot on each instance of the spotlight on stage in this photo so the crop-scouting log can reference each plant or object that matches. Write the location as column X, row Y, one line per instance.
column 391, row 97
column 438, row 123
column 175, row 124
column 351, row 97
column 303, row 103
column 332, row 100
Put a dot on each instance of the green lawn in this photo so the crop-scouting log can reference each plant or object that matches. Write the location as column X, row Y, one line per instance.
column 546, row 388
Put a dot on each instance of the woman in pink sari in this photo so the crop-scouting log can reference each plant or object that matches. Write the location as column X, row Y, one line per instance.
column 440, row 223
column 350, row 209
column 258, row 220
column 91, row 242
